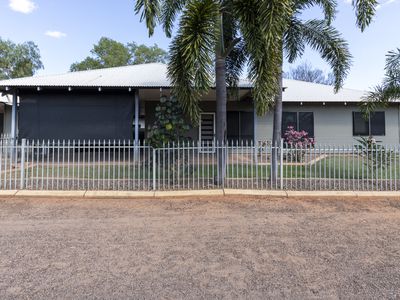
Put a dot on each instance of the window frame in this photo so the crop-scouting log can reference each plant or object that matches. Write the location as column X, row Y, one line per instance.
column 369, row 124
column 297, row 128
column 240, row 134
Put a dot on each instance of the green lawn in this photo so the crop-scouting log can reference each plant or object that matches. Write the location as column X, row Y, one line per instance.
column 332, row 167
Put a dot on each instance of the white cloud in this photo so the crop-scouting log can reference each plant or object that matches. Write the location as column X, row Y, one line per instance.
column 55, row 34
column 384, row 3
column 22, row 6
column 381, row 3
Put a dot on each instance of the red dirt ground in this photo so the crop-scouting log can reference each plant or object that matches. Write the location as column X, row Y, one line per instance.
column 192, row 248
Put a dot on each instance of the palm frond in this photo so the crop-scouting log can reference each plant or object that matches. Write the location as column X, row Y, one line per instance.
column 169, row 11
column 332, row 47
column 392, row 68
column 192, row 54
column 328, row 7
column 389, row 91
column 294, row 44
column 379, row 97
column 149, row 11
column 235, row 63
column 262, row 24
column 365, row 11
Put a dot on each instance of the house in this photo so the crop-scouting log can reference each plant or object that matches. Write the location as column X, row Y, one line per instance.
column 119, row 103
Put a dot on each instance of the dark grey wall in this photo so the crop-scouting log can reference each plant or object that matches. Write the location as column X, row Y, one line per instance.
column 76, row 115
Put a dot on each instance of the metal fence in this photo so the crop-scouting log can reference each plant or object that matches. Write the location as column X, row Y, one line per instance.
column 122, row 165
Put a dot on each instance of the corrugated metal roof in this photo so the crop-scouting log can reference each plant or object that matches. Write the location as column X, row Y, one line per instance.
column 301, row 91
column 154, row 75
column 146, row 75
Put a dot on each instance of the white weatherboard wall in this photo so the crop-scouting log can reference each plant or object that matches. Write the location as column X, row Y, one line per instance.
column 333, row 123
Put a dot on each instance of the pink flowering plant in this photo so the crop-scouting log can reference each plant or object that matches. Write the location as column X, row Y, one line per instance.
column 297, row 142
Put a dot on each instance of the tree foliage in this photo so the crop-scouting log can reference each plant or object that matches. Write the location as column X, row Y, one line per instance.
column 142, row 54
column 374, row 155
column 169, row 125
column 306, row 72
column 109, row 53
column 18, row 60
column 321, row 37
column 389, row 90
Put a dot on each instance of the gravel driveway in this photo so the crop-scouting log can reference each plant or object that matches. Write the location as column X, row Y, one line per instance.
column 207, row 248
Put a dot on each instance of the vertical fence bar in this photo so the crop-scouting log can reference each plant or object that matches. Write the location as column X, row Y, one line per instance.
column 154, row 169
column 1, row 163
column 22, row 175
column 396, row 153
column 78, row 159
column 281, row 164
column 129, row 164
column 74, row 185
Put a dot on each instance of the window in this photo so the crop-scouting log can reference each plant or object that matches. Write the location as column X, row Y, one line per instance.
column 374, row 125
column 289, row 119
column 306, row 123
column 240, row 126
column 207, row 127
column 360, row 125
column 377, row 123
column 299, row 121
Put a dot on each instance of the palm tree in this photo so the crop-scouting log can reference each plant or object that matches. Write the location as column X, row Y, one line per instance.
column 389, row 90
column 322, row 37
column 214, row 41
column 217, row 38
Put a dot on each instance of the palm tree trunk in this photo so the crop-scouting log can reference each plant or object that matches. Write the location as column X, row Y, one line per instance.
column 221, row 101
column 277, row 129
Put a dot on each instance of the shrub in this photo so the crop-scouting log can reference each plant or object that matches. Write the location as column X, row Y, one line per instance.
column 299, row 139
column 375, row 156
column 297, row 142
column 169, row 125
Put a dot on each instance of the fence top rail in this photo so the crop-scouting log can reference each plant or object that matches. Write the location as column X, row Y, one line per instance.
column 6, row 141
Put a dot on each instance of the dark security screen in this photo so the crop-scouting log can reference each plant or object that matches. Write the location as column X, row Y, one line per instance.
column 76, row 116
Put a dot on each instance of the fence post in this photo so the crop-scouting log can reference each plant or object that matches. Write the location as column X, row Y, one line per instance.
column 281, row 164
column 154, row 169
column 22, row 178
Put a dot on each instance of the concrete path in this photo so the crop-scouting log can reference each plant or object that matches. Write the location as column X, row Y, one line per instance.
column 195, row 193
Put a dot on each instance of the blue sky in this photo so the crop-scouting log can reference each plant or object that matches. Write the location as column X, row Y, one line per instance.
column 65, row 31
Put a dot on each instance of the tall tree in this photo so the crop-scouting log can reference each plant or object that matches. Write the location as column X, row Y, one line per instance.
column 19, row 60
column 389, row 90
column 109, row 53
column 306, row 72
column 142, row 54
column 322, row 37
